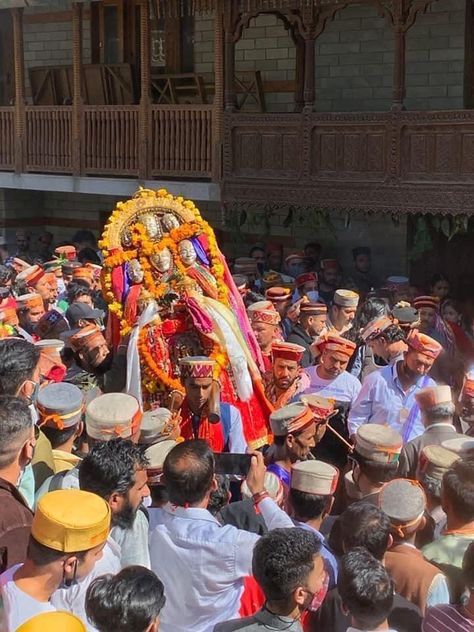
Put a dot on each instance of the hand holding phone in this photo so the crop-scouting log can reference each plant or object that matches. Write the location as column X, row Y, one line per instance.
column 256, row 474
column 231, row 463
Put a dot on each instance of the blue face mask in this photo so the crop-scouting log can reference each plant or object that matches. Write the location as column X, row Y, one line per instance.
column 34, row 395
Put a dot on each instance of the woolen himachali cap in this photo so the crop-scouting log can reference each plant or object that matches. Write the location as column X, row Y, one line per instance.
column 54, row 621
column 87, row 338
column 330, row 264
column 294, row 256
column 287, row 351
column 31, row 275
column 376, row 327
column 263, row 312
column 381, row 444
column 240, row 281
column 306, row 277
column 60, row 405
column 83, row 273
column 156, row 455
column 71, row 520
column 405, row 313
column 424, row 344
column 27, row 301
column 152, row 425
column 462, row 445
column 468, row 386
column 8, row 316
column 403, row 501
column 196, row 367
column 278, row 294
column 313, row 309
column 333, row 342
column 346, row 298
column 433, row 396
column 272, row 484
column 291, row 418
column 397, row 283
column 321, row 407
column 434, row 461
column 245, row 265
column 68, row 252
column 113, row 415
column 426, row 301
column 314, row 477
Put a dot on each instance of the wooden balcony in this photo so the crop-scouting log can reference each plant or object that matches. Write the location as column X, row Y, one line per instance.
column 393, row 162
column 180, row 143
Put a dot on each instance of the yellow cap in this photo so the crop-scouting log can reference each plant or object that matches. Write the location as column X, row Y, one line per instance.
column 53, row 622
column 71, row 520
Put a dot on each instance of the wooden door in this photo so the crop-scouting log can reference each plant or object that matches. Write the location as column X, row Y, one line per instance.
column 7, row 85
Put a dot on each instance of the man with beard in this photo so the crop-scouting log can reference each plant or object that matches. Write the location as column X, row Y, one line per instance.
column 289, row 568
column 264, row 320
column 91, row 358
column 36, row 280
column 30, row 309
column 311, row 323
column 388, row 395
column 116, row 470
column 286, row 378
column 294, row 436
column 362, row 278
column 328, row 279
column 331, row 380
column 202, row 403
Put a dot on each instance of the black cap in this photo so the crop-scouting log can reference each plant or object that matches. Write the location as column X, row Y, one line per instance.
column 78, row 311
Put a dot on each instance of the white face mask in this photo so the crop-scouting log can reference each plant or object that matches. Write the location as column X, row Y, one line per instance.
column 34, row 414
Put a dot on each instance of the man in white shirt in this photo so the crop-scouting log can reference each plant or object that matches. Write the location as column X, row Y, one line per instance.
column 366, row 591
column 201, row 563
column 331, row 380
column 68, row 534
column 388, row 395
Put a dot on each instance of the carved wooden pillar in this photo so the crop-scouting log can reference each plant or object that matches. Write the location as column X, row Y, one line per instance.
column 399, row 88
column 19, row 70
column 77, row 109
column 309, row 70
column 229, row 57
column 144, row 113
column 218, row 107
column 299, row 78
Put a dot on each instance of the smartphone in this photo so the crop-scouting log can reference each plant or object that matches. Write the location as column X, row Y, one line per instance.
column 227, row 463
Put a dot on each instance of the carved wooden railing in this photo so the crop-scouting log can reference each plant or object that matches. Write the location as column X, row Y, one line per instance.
column 7, row 139
column 413, row 161
column 111, row 140
column 181, row 140
column 48, row 133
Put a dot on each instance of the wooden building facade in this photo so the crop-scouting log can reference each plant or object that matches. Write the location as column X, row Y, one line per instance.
column 136, row 108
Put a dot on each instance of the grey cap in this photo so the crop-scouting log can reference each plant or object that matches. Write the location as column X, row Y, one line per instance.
column 403, row 501
column 152, row 425
column 60, row 405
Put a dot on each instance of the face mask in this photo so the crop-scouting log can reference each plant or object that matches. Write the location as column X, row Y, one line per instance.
column 31, row 399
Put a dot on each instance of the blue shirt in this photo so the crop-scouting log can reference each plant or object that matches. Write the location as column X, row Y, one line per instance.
column 330, row 562
column 382, row 400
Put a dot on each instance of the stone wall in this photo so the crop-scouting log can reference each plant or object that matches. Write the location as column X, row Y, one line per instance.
column 354, row 59
column 49, row 43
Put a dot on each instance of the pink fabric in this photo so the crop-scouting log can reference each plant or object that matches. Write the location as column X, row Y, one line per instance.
column 201, row 321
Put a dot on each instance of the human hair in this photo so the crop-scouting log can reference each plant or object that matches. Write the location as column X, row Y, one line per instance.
column 58, row 437
column 130, row 600
column 431, row 486
column 372, row 307
column 42, row 555
column 282, row 560
column 308, row 506
column 159, row 494
column 15, row 425
column 468, row 567
column 76, row 289
column 365, row 588
column 6, row 274
column 88, row 255
column 393, row 333
column 458, row 488
column 219, row 497
column 364, row 524
column 84, row 236
column 18, row 360
column 375, row 472
column 312, row 244
column 109, row 468
column 188, row 471
column 255, row 248
column 441, row 412
column 436, row 278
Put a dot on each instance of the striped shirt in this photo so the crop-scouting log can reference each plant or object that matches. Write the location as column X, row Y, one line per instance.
column 447, row 618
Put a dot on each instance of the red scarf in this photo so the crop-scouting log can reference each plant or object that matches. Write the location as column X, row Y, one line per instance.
column 212, row 433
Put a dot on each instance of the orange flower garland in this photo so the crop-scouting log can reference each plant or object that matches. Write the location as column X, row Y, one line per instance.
column 152, row 369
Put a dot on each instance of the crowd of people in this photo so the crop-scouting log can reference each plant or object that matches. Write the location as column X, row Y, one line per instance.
column 355, row 514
